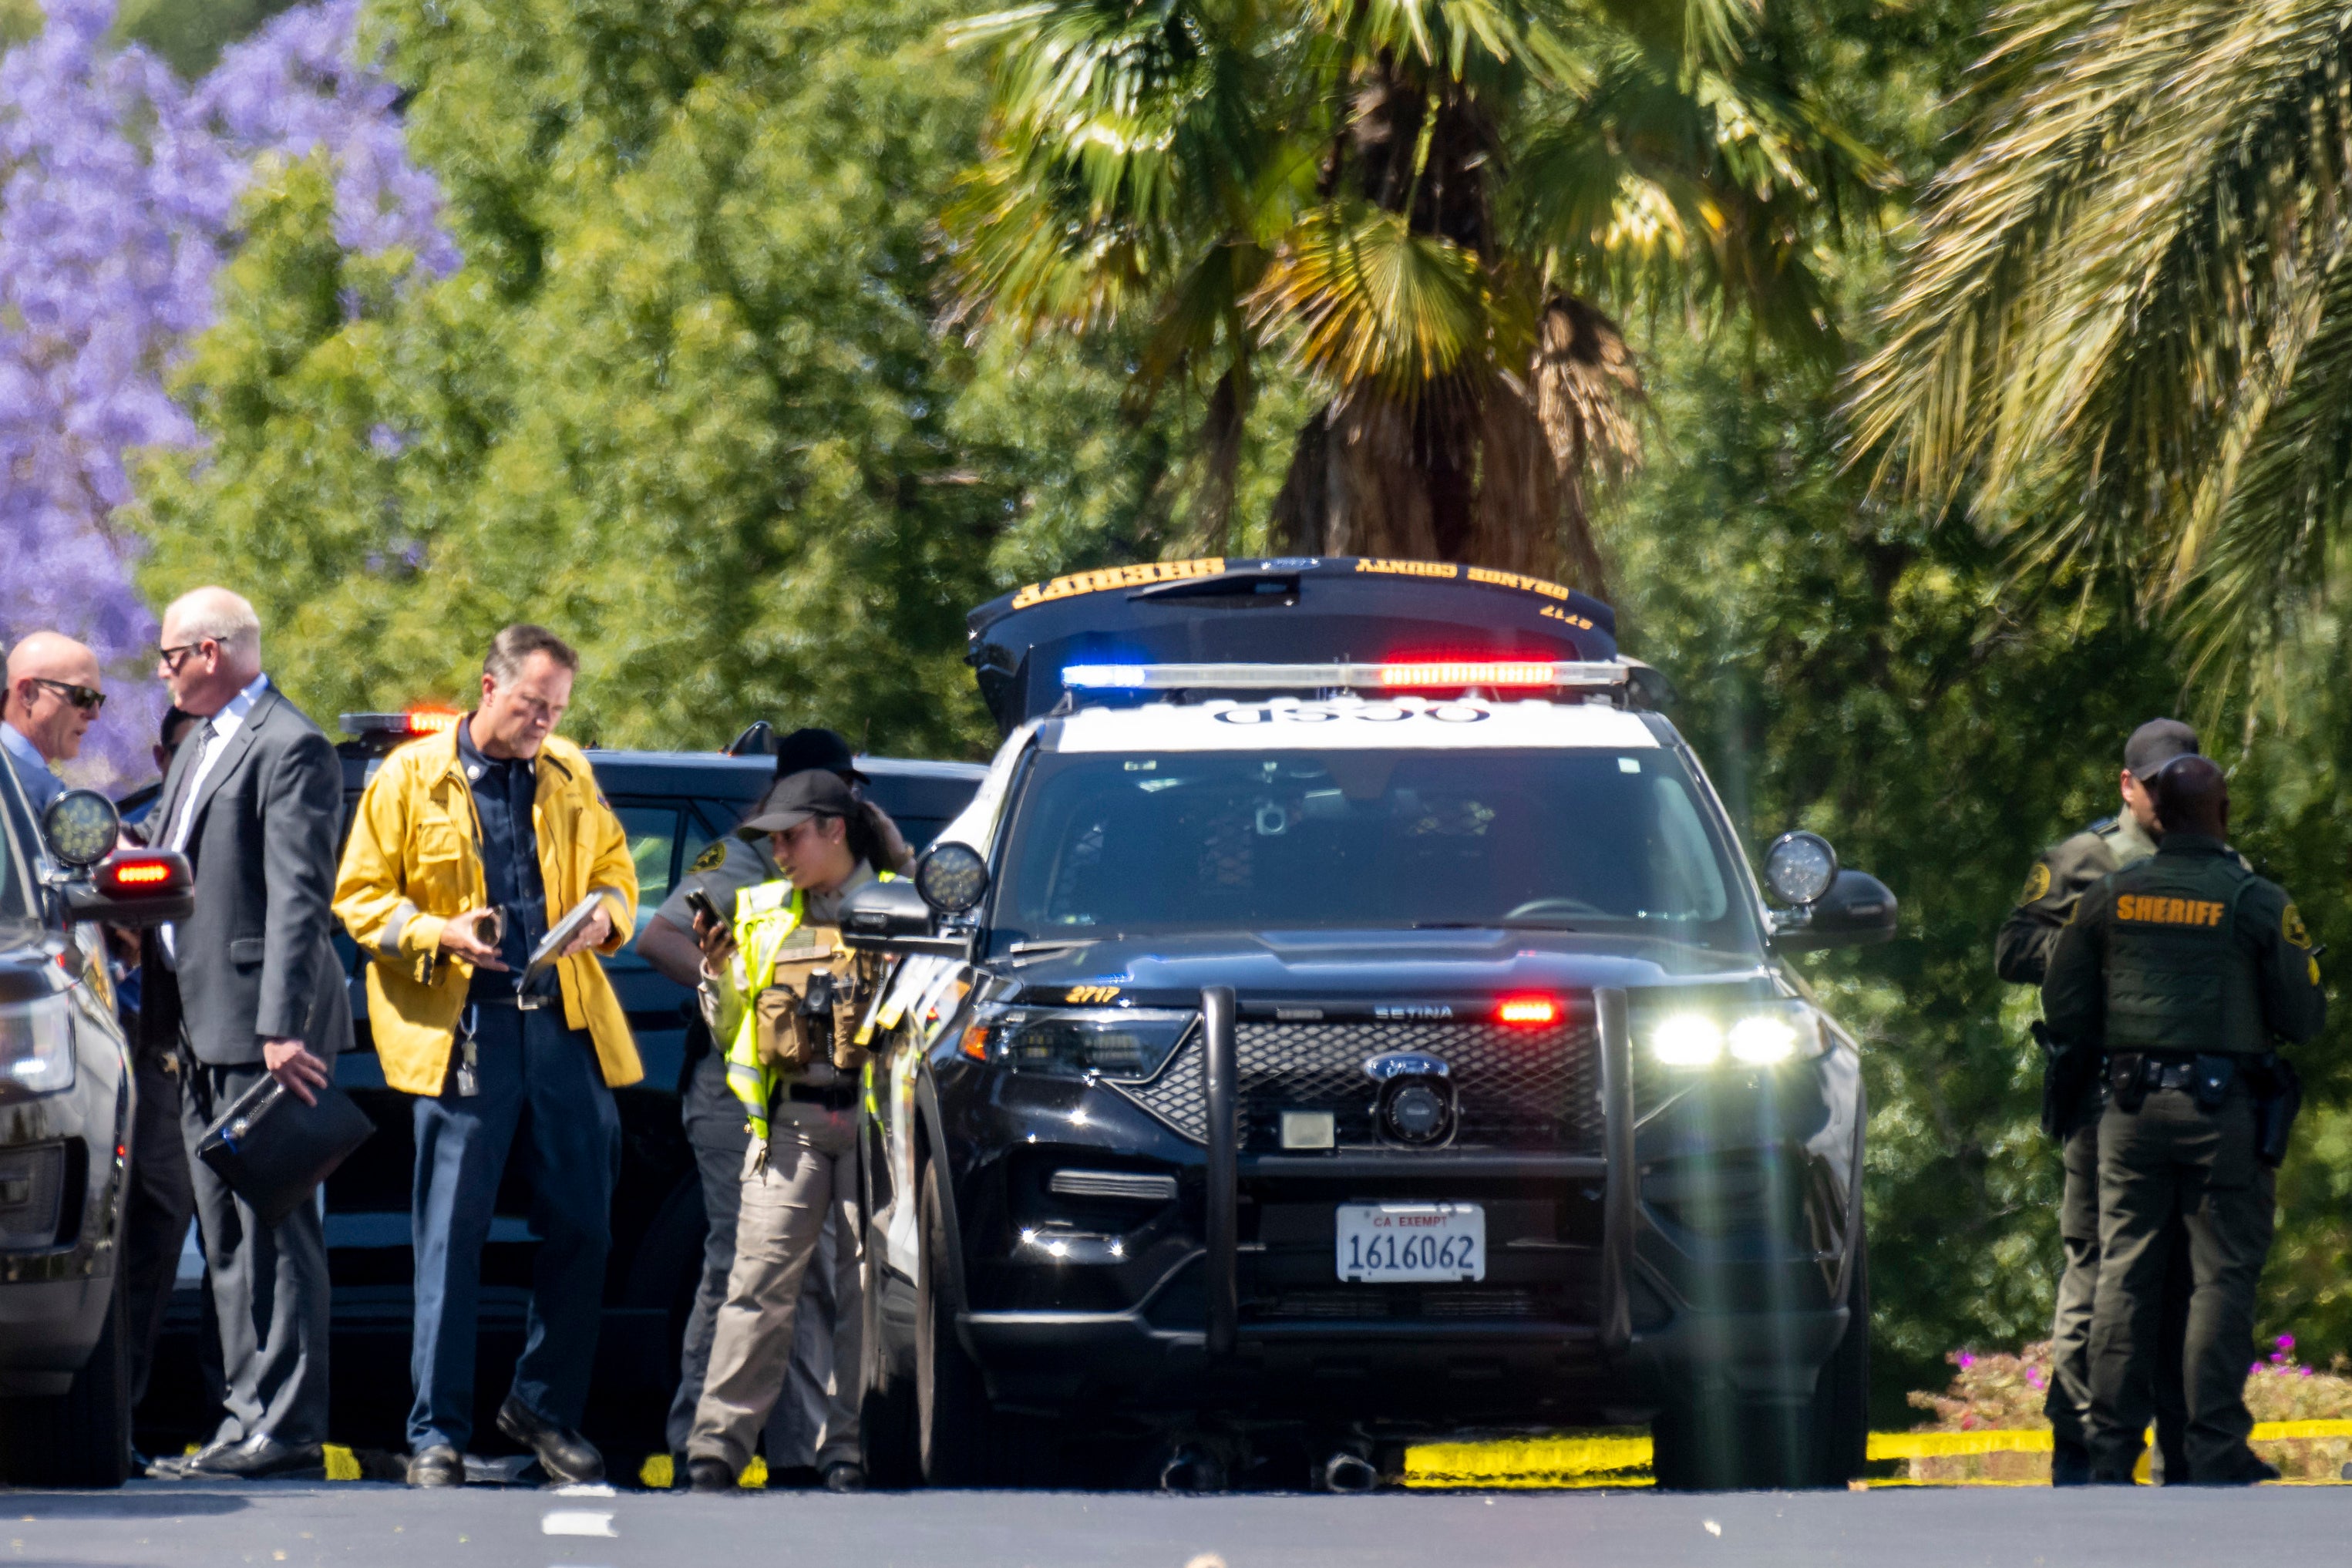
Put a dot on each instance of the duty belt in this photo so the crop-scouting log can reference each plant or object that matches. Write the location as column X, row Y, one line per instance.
column 833, row 1096
column 2155, row 1074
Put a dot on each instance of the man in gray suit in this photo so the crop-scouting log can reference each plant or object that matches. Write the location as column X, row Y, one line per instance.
column 250, row 987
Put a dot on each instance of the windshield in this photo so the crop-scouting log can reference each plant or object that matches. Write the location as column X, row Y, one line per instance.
column 1601, row 841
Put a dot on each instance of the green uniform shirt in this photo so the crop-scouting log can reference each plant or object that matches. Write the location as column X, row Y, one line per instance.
column 2187, row 951
column 2021, row 952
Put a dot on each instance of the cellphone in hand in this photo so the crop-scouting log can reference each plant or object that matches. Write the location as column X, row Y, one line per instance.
column 700, row 904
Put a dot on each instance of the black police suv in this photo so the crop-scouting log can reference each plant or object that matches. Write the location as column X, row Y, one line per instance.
column 674, row 805
column 66, row 1104
column 1346, row 1014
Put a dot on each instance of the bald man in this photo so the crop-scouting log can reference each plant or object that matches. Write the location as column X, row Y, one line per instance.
column 249, row 986
column 54, row 693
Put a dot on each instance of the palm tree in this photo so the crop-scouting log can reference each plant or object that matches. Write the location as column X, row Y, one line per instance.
column 1421, row 203
column 2124, row 337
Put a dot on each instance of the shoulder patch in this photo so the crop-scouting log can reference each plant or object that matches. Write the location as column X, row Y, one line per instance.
column 712, row 857
column 2291, row 927
column 2037, row 883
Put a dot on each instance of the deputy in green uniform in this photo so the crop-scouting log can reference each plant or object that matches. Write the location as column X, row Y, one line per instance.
column 785, row 1004
column 2021, row 954
column 2186, row 967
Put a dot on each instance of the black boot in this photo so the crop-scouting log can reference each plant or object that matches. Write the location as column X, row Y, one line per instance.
column 567, row 1456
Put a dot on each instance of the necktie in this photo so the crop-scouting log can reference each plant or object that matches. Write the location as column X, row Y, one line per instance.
column 202, row 739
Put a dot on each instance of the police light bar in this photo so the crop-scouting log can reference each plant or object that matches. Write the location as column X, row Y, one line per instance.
column 416, row 721
column 1399, row 675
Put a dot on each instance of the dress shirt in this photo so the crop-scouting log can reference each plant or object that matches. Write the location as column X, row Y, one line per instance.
column 212, row 738
column 506, row 794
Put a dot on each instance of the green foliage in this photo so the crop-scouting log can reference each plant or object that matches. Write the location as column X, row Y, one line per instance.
column 686, row 402
column 189, row 34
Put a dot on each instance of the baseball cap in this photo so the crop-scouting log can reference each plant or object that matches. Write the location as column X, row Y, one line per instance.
column 805, row 749
column 2157, row 743
column 793, row 799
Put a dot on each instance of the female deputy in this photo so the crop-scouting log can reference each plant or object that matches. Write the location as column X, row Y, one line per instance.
column 792, row 1060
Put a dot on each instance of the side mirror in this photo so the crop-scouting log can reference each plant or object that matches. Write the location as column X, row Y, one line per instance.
column 1857, row 911
column 891, row 917
column 82, row 827
column 951, row 878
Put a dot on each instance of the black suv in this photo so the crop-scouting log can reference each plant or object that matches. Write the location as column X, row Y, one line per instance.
column 674, row 804
column 1347, row 1014
column 65, row 1130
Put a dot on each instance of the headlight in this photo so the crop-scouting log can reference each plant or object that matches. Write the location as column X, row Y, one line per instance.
column 1756, row 1037
column 1116, row 1042
column 36, row 1053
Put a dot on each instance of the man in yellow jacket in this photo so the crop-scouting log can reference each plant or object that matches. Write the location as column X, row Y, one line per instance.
column 468, row 849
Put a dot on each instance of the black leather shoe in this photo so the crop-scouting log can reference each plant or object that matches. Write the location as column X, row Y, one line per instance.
column 437, row 1465
column 2250, row 1470
column 568, row 1458
column 844, row 1476
column 2070, row 1465
column 174, row 1466
column 261, row 1458
column 709, row 1476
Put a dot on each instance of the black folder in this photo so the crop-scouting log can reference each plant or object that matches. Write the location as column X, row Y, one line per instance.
column 272, row 1150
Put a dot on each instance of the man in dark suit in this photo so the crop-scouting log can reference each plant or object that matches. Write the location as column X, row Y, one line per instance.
column 250, row 987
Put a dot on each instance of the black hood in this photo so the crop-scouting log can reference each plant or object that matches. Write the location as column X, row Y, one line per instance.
column 1327, row 965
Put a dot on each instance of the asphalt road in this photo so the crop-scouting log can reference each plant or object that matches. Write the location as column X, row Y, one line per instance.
column 357, row 1523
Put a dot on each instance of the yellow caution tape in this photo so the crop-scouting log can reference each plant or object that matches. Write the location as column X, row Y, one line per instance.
column 657, row 1474
column 1948, row 1445
column 343, row 1465
column 1522, row 1455
column 2286, row 1431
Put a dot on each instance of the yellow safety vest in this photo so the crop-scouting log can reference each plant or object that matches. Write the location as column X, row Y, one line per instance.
column 765, row 917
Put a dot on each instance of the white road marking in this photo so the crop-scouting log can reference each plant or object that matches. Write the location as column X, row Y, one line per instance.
column 577, row 1522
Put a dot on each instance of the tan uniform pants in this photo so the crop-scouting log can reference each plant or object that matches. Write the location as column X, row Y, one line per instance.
column 811, row 1173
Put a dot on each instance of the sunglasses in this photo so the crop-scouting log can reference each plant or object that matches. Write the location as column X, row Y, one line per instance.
column 173, row 658
column 81, row 697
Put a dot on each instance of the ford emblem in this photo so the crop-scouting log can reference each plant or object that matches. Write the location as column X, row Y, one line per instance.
column 1404, row 1064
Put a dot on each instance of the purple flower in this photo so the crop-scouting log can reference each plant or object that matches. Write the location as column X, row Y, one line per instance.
column 1965, row 1360
column 118, row 192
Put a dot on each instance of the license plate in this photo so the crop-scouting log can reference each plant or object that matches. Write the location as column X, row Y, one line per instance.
column 1380, row 1243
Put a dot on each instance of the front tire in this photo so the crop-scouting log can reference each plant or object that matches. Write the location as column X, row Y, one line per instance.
column 886, row 1421
column 1732, row 1445
column 80, row 1438
column 953, row 1440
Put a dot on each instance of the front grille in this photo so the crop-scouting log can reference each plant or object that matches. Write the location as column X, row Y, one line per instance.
column 1515, row 1087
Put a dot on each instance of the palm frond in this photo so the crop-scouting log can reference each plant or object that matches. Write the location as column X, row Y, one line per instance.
column 1370, row 299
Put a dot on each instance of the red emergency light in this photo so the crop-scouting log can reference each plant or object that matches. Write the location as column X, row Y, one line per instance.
column 1410, row 674
column 431, row 721
column 134, row 875
column 1527, row 1012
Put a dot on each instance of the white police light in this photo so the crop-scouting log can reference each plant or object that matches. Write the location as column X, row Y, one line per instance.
column 1762, row 1039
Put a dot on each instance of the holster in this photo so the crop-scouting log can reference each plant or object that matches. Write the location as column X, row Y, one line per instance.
column 2278, row 1099
column 2070, row 1081
column 2125, row 1082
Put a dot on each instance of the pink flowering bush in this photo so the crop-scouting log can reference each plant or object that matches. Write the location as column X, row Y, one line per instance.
column 2001, row 1392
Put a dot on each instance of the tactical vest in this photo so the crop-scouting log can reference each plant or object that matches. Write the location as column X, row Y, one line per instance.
column 2177, row 978
column 767, row 917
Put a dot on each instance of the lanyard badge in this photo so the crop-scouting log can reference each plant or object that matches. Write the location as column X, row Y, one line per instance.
column 469, row 1081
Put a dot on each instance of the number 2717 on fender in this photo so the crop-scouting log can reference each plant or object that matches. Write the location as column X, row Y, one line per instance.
column 1383, row 1243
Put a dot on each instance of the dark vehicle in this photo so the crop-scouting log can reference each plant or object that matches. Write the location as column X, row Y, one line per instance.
column 674, row 804
column 1346, row 1014
column 64, row 1123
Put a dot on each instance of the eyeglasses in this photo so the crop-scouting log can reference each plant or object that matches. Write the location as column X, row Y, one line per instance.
column 171, row 658
column 81, row 697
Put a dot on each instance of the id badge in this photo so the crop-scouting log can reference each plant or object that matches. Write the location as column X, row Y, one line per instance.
column 469, row 1078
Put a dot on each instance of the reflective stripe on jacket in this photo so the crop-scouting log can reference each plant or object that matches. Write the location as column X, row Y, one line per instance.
column 414, row 859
